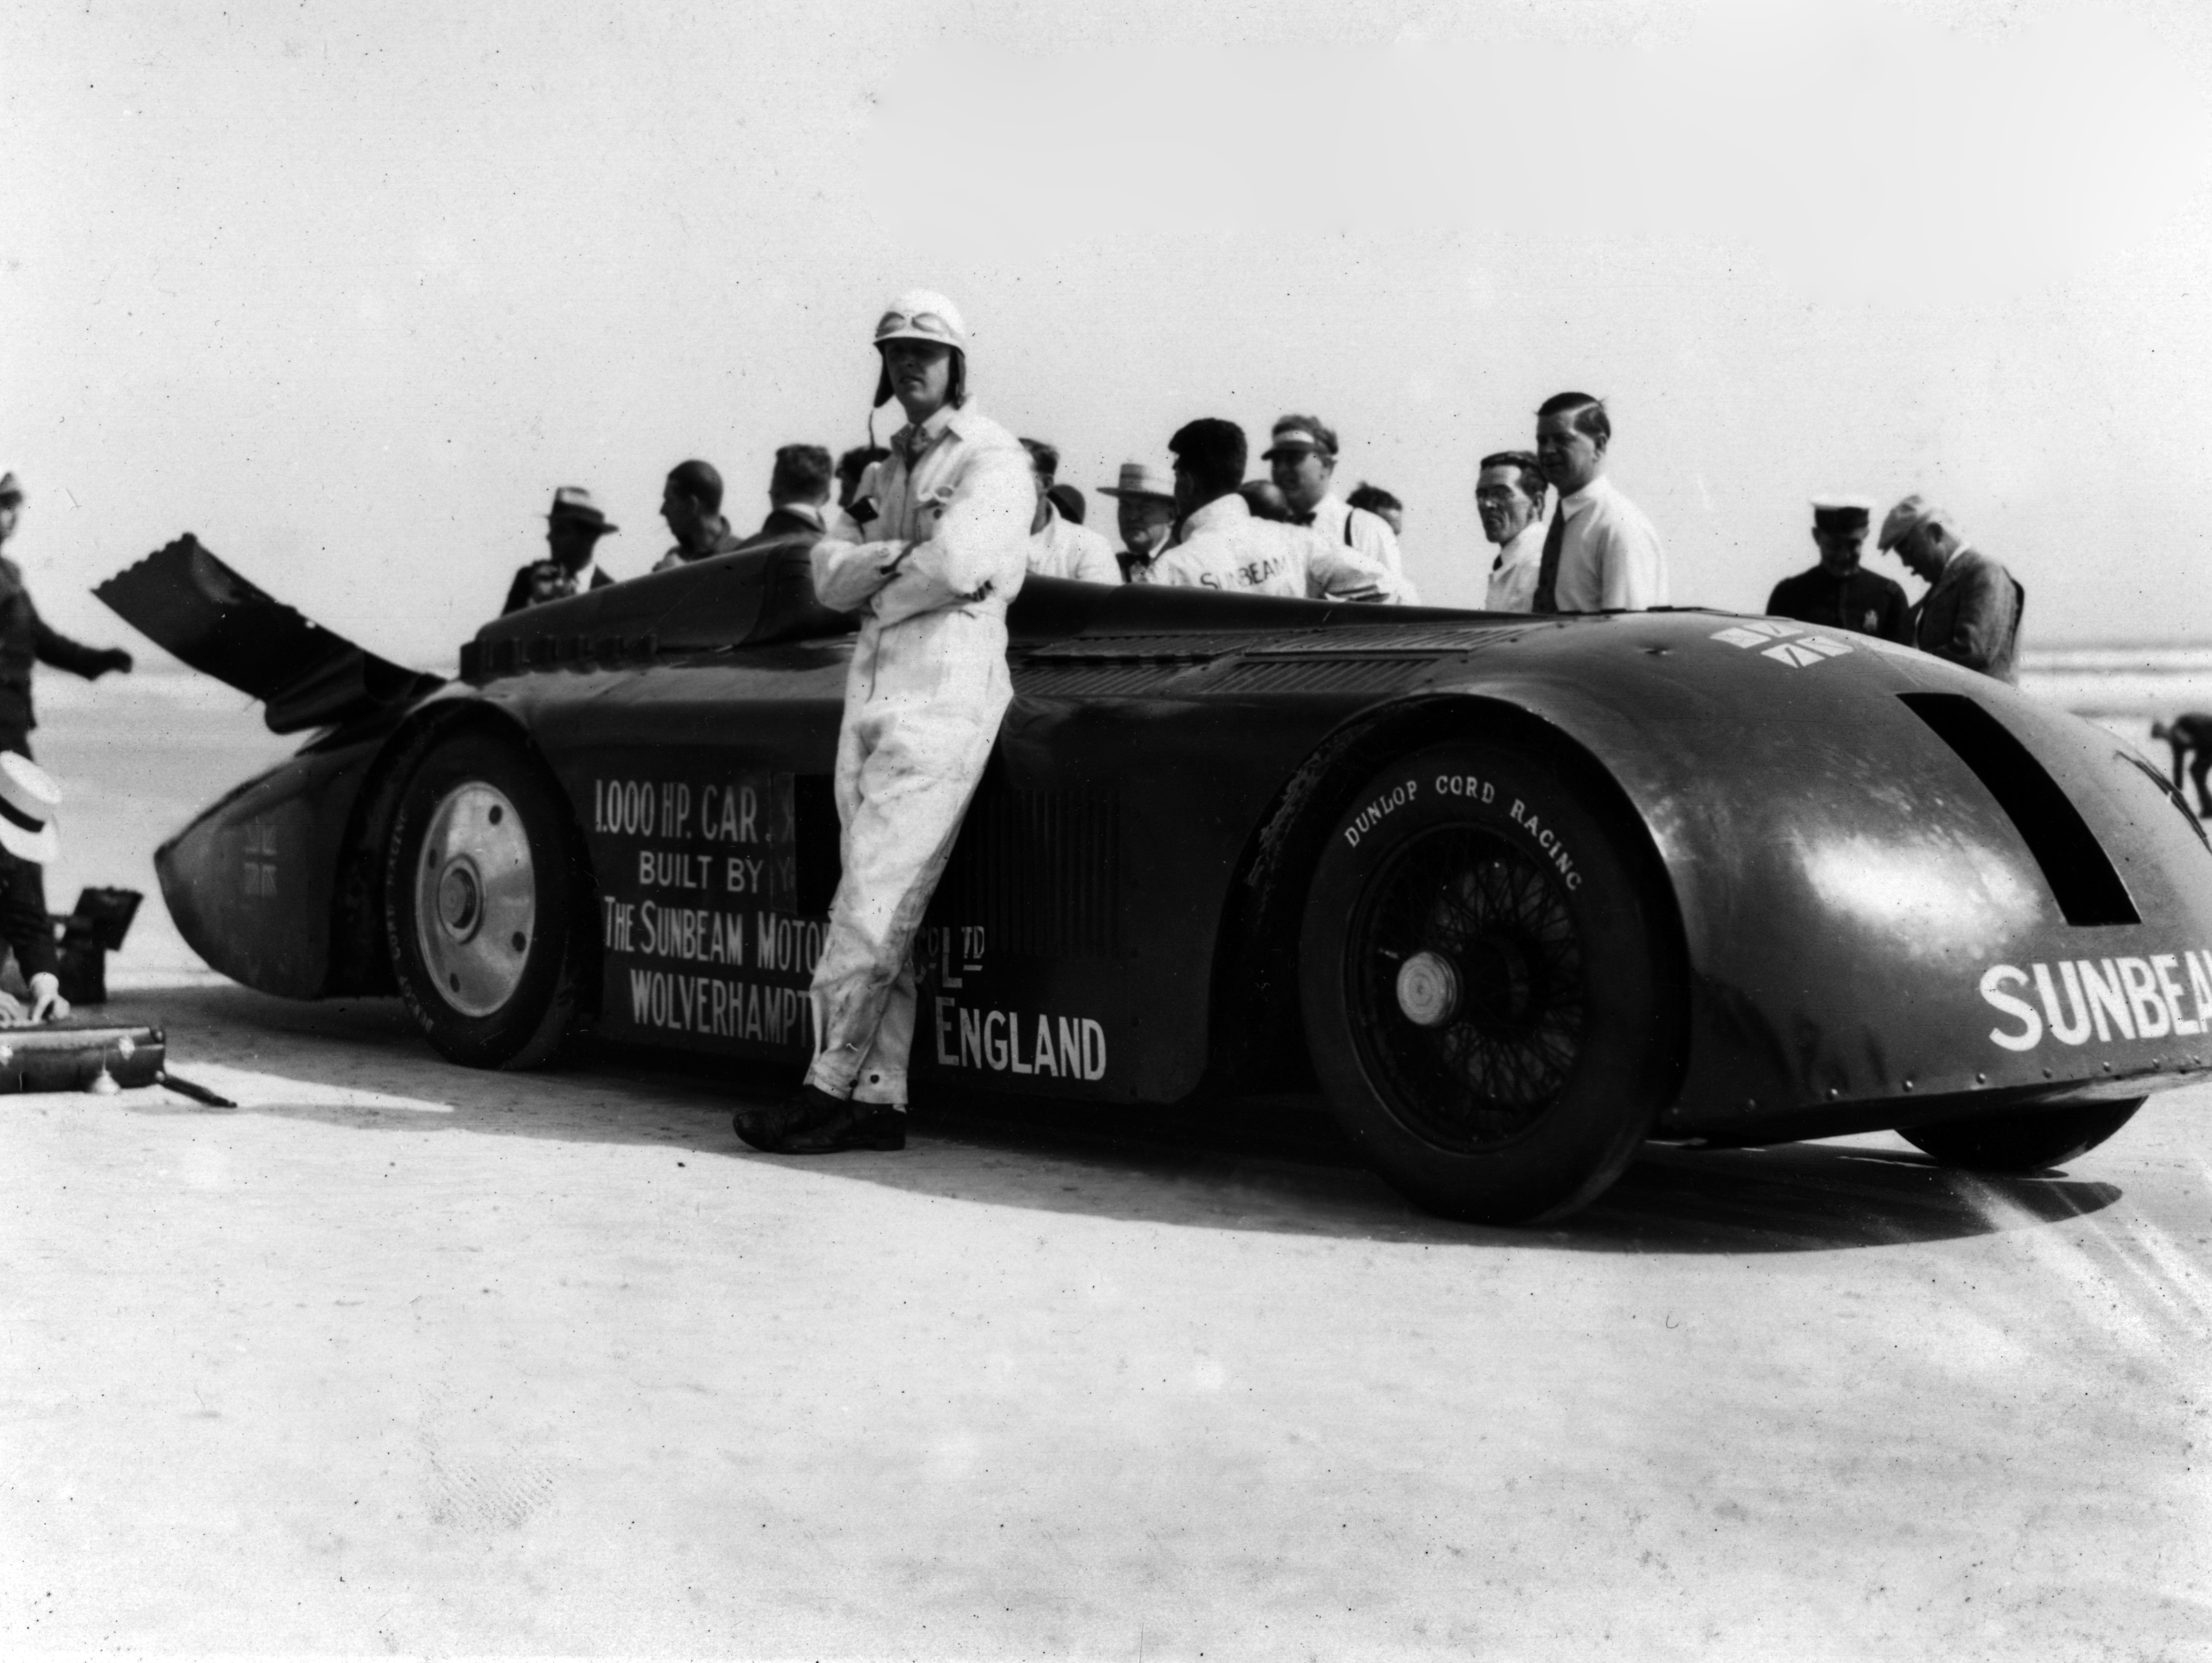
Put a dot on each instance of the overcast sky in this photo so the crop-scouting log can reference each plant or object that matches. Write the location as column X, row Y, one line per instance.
column 349, row 289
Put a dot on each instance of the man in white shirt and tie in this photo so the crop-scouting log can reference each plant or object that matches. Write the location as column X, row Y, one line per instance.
column 1509, row 498
column 1301, row 454
column 1602, row 554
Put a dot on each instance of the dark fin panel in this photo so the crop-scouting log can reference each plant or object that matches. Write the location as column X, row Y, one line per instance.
column 184, row 598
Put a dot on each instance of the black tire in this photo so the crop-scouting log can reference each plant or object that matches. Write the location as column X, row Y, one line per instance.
column 485, row 894
column 2031, row 1142
column 1522, row 1074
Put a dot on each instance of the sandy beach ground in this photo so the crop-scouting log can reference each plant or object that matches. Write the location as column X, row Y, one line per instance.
column 399, row 1358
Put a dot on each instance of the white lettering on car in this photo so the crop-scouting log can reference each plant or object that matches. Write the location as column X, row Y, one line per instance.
column 722, row 1008
column 2031, row 1025
column 2131, row 997
column 1017, row 1043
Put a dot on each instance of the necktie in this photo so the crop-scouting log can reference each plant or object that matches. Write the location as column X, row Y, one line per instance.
column 1305, row 519
column 1548, row 570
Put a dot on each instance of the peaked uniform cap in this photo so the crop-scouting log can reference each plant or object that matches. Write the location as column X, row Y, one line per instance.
column 922, row 314
column 28, row 797
column 1842, row 513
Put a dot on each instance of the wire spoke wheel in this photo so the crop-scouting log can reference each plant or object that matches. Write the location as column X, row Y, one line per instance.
column 1489, row 980
column 1481, row 1062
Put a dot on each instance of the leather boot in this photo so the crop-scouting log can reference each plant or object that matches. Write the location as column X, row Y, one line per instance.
column 766, row 1127
column 855, row 1126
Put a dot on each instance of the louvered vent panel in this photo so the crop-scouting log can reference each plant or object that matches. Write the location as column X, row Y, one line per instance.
column 1317, row 675
column 1186, row 648
column 1096, row 678
column 1040, row 870
column 1344, row 639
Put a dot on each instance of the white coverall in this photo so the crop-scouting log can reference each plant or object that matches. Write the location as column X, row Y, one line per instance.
column 1222, row 547
column 927, row 688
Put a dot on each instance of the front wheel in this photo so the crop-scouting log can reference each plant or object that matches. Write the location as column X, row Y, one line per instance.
column 484, row 899
column 1490, row 990
column 2032, row 1142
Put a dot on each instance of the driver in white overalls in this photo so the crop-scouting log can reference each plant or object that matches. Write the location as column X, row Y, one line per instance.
column 929, row 553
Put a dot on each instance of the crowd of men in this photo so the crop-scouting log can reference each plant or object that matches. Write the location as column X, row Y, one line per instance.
column 933, row 535
column 1567, row 539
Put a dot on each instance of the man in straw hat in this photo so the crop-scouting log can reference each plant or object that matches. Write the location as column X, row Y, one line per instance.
column 1970, row 613
column 929, row 557
column 28, row 797
column 1839, row 593
column 27, row 639
column 1144, row 513
column 573, row 526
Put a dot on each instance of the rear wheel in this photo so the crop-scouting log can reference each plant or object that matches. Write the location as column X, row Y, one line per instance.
column 2021, row 1143
column 1489, row 990
column 482, row 895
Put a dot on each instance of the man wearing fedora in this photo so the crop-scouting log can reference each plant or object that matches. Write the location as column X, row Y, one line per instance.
column 1839, row 593
column 573, row 527
column 1970, row 613
column 27, row 639
column 28, row 797
column 1144, row 513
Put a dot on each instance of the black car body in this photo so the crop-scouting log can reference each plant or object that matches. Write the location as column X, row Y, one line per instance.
column 1671, row 873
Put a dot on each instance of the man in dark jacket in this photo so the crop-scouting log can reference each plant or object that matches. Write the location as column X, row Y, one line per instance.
column 573, row 527
column 851, row 467
column 1970, row 613
column 692, row 503
column 1839, row 593
column 798, row 489
column 27, row 639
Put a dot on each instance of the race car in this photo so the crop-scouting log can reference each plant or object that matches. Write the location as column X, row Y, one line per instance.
column 1516, row 893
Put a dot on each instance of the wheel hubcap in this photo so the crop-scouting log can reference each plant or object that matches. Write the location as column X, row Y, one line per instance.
column 1428, row 989
column 475, row 899
column 1468, row 988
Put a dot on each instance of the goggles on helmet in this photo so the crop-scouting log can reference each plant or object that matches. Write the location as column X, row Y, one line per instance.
column 915, row 326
